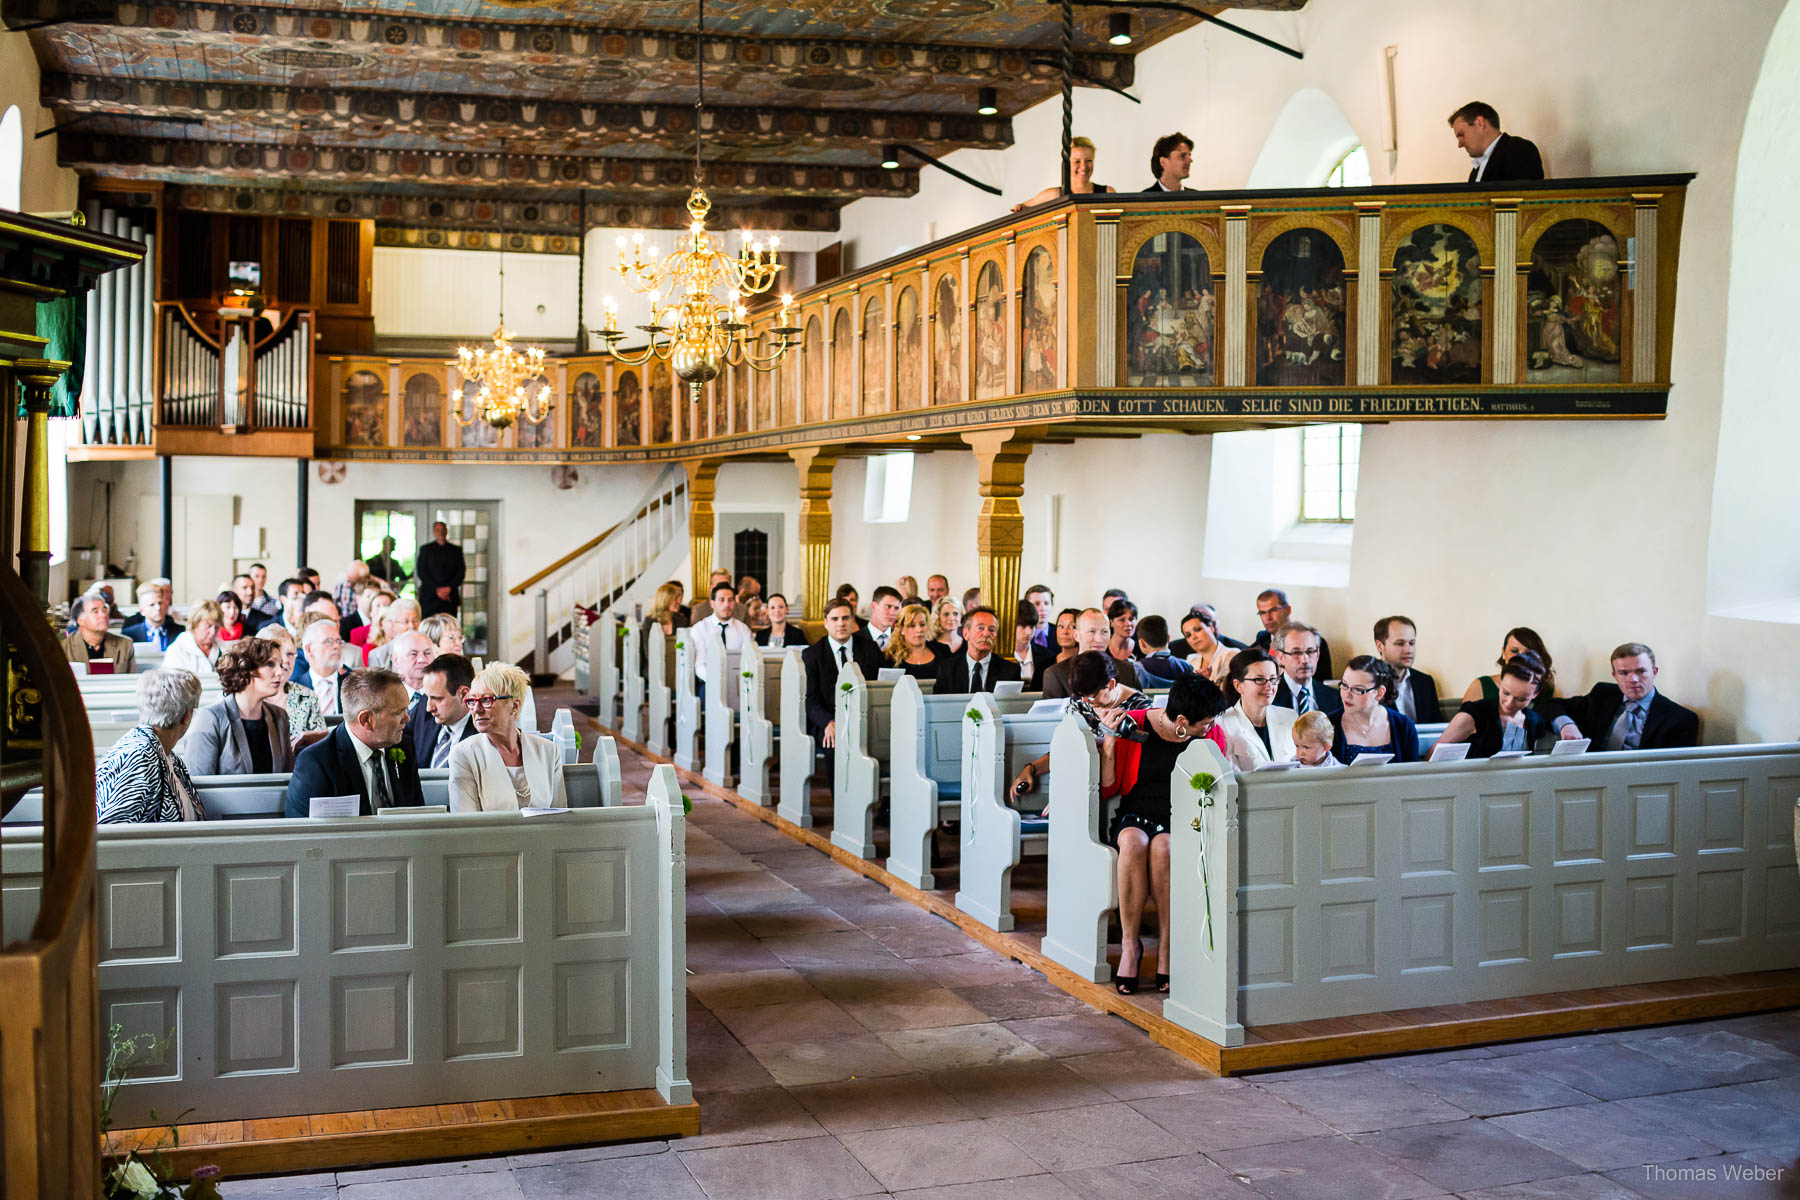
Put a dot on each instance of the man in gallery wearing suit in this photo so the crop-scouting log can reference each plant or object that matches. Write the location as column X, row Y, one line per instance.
column 366, row 756
column 1629, row 713
column 824, row 658
column 1499, row 157
column 977, row 668
column 1415, row 693
column 445, row 689
column 1170, row 161
column 440, row 570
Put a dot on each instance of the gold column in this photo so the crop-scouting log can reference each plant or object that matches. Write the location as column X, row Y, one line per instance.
column 703, row 477
column 1000, row 529
column 815, row 464
column 36, row 376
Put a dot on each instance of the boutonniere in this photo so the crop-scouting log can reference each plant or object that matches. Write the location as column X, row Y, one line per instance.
column 397, row 755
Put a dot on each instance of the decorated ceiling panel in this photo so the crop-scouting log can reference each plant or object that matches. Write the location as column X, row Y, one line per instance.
column 412, row 103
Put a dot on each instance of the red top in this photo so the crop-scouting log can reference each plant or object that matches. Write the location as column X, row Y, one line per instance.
column 1126, row 754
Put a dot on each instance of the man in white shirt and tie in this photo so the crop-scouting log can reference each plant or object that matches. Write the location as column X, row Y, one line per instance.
column 324, row 661
column 884, row 612
column 1297, row 651
column 724, row 624
column 445, row 686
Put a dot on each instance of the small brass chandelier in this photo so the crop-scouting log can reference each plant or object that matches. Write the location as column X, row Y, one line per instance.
column 688, row 325
column 502, row 371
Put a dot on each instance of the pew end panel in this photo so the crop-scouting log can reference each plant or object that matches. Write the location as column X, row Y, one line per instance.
column 664, row 799
column 656, row 684
column 755, row 730
column 723, row 696
column 990, row 829
column 1203, row 890
column 856, row 775
column 604, row 638
column 799, row 750
column 633, row 688
column 687, row 700
column 1083, row 869
column 912, row 792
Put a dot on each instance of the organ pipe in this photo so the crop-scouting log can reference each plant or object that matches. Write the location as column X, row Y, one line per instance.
column 147, row 344
column 133, row 391
column 109, row 284
column 90, row 362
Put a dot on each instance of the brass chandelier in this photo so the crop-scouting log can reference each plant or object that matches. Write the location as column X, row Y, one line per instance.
column 688, row 325
column 502, row 371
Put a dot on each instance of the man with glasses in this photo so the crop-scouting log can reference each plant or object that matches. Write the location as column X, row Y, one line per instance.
column 321, row 665
column 1274, row 611
column 355, row 760
column 1297, row 650
column 1629, row 713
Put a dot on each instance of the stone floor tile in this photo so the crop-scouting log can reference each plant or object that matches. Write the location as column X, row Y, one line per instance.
column 1357, row 1102
column 705, row 957
column 796, row 1064
column 1028, row 1187
column 741, row 1118
column 1463, row 1155
column 315, row 1182
column 1782, row 1093
column 726, row 1068
column 798, row 1021
column 957, row 1046
column 1087, row 1032
column 1604, row 1070
column 1568, row 1187
column 1435, row 1056
column 978, row 967
column 1037, row 1085
column 935, row 1155
column 1018, row 999
column 1104, row 1135
column 1490, row 1086
column 831, row 950
column 1189, row 1177
column 929, row 1009
column 1603, row 1137
column 1328, row 1168
column 1228, row 1120
column 1726, row 1117
column 1727, row 1177
column 793, row 922
column 575, row 1154
column 488, row 1185
column 1562, row 1042
column 921, row 942
column 1719, row 1056
column 749, row 989
column 423, row 1170
column 648, row 1177
column 811, row 1169
column 888, row 1102
column 1146, row 1071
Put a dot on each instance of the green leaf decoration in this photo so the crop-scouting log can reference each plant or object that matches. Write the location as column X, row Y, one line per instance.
column 687, row 806
column 974, row 714
column 1202, row 782
column 749, row 674
column 846, row 686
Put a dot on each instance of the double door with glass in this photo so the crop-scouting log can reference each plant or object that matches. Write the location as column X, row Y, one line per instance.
column 471, row 525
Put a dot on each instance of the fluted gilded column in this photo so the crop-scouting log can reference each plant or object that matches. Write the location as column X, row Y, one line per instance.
column 702, row 477
column 1000, row 528
column 815, row 464
column 36, row 376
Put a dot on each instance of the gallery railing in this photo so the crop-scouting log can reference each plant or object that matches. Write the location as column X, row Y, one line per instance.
column 1550, row 299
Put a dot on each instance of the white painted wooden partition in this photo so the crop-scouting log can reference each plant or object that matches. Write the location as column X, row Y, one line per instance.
column 912, row 788
column 657, row 689
column 687, row 700
column 995, row 835
column 1083, row 870
column 308, row 966
column 756, row 733
column 856, row 773
column 633, row 689
column 719, row 714
column 799, row 751
column 604, row 637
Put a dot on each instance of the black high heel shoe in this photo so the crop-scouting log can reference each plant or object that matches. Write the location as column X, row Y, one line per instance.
column 1162, row 983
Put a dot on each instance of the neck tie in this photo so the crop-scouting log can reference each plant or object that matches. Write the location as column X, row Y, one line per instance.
column 975, row 677
column 1302, row 699
column 1634, row 725
column 843, row 655
column 440, row 754
column 384, row 795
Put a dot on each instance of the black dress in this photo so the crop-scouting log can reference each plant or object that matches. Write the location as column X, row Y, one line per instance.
column 939, row 652
column 1146, row 805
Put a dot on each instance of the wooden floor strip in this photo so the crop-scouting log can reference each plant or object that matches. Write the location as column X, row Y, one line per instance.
column 1368, row 1035
column 334, row 1141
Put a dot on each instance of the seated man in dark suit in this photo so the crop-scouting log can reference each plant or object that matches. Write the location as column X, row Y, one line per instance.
column 1499, row 157
column 1092, row 632
column 355, row 758
column 1274, row 611
column 822, row 661
column 976, row 669
column 1415, row 693
column 1629, row 713
column 153, row 625
column 445, row 690
column 1297, row 652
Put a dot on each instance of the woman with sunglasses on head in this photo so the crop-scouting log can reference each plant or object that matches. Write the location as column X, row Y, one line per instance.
column 1368, row 724
column 503, row 768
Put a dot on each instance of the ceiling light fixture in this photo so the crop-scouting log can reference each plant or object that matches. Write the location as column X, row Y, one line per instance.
column 987, row 102
column 1118, row 29
column 890, row 156
column 502, row 371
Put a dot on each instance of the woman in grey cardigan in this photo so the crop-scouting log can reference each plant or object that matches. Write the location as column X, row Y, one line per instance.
column 243, row 734
column 138, row 779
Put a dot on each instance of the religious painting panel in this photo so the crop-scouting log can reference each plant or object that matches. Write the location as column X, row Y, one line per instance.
column 1435, row 302
column 812, row 365
column 774, row 390
column 422, row 411
column 743, row 380
column 721, row 419
column 587, row 411
column 536, row 435
column 477, row 434
column 946, row 343
column 662, row 404
column 874, row 356
column 1300, row 312
column 628, row 409
column 1170, row 316
column 843, row 362
column 990, row 333
column 365, row 409
column 1037, row 323
column 1574, row 305
column 909, row 350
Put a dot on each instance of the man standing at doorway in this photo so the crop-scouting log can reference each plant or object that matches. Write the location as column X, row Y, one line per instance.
column 440, row 570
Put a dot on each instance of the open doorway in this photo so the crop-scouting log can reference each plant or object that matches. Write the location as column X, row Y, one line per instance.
column 388, row 536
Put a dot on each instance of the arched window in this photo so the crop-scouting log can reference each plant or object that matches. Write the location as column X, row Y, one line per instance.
column 12, row 157
column 1352, row 170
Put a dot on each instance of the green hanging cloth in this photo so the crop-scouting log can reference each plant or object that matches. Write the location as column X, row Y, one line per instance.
column 63, row 321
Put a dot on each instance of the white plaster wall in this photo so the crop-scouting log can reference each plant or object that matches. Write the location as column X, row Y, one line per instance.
column 44, row 186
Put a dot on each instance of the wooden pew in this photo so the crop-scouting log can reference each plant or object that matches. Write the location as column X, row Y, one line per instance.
column 759, row 693
column 799, row 750
column 687, row 700
column 661, row 653
column 604, row 637
column 994, row 835
column 1083, row 869
column 722, row 701
column 632, row 688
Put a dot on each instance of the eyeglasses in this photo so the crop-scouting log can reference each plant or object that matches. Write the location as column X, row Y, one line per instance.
column 331, row 643
column 1358, row 691
column 1312, row 653
column 1260, row 680
column 485, row 701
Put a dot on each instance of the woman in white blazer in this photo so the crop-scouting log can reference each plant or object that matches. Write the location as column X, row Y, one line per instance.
column 1257, row 732
column 197, row 650
column 502, row 768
